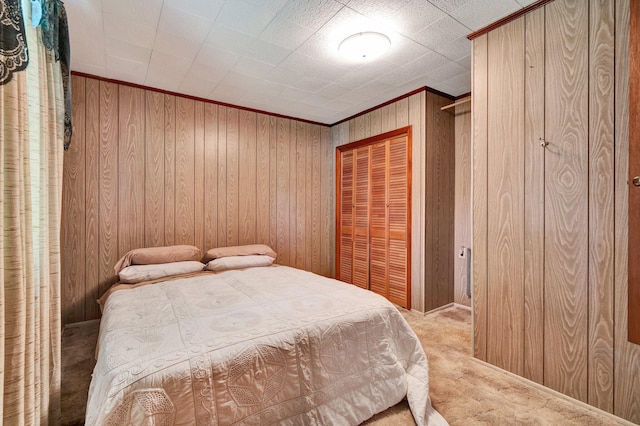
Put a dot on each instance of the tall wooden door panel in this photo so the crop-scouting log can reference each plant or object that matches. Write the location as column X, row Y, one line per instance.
column 379, row 220
column 505, row 223
column 345, row 257
column 361, row 219
column 566, row 197
column 398, row 221
column 634, row 174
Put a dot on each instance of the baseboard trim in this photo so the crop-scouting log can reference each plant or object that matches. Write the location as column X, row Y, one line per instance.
column 440, row 308
column 555, row 393
column 79, row 324
column 460, row 305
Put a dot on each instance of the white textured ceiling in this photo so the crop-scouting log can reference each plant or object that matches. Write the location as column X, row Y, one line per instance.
column 281, row 56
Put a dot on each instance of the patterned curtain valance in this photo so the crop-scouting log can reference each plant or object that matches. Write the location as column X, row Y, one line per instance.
column 55, row 38
column 13, row 44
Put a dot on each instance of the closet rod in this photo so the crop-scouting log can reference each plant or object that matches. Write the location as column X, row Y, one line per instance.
column 456, row 103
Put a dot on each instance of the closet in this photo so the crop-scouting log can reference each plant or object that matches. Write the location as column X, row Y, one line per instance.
column 549, row 94
column 373, row 205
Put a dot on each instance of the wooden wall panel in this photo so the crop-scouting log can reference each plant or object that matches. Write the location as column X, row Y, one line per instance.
column 263, row 179
column 108, row 181
column 534, row 155
column 185, row 171
column 247, row 187
column 627, row 354
column 430, row 220
column 131, row 164
column 314, row 205
column 601, row 203
column 169, row 169
column 232, row 176
column 211, row 175
column 479, row 197
column 283, row 193
column 505, row 197
column 154, row 170
column 72, row 234
column 634, row 170
column 440, row 164
column 148, row 169
column 273, row 181
column 222, row 177
column 462, row 203
column 293, row 188
column 566, row 197
column 302, row 136
column 199, row 172
column 92, row 196
column 402, row 112
column 388, row 118
column 326, row 204
column 417, row 116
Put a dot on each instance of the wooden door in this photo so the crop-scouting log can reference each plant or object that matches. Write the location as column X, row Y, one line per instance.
column 379, row 247
column 353, row 204
column 399, row 219
column 361, row 218
column 505, row 196
column 634, row 173
column 345, row 208
column 566, row 267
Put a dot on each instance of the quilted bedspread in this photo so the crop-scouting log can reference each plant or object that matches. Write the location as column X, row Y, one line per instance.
column 260, row 346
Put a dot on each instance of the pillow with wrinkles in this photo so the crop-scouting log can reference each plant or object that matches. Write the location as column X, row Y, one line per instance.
column 157, row 255
column 245, row 250
column 137, row 273
column 238, row 262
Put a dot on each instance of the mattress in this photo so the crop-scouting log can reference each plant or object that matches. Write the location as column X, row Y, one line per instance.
column 259, row 346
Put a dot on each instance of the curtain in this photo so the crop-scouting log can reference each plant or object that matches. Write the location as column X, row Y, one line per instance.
column 32, row 123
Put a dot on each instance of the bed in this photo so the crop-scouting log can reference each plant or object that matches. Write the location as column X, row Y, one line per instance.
column 254, row 346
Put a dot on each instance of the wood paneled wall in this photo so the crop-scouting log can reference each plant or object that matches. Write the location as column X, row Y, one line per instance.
column 462, row 214
column 626, row 375
column 432, row 187
column 150, row 169
column 550, row 223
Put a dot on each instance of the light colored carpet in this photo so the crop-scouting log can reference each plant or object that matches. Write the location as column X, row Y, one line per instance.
column 464, row 390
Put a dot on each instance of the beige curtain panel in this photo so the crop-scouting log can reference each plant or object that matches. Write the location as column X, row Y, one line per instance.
column 32, row 122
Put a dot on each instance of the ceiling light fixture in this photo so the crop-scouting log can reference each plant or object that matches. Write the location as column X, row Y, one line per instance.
column 364, row 46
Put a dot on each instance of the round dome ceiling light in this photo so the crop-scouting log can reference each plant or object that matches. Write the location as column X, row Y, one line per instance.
column 364, row 46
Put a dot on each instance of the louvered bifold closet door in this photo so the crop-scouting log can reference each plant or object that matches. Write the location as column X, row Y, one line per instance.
column 398, row 255
column 345, row 269
column 379, row 243
column 374, row 208
column 361, row 219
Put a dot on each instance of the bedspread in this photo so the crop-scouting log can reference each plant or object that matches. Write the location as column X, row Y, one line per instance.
column 270, row 345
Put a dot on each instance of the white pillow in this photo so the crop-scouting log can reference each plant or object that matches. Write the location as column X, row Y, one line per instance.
column 138, row 273
column 238, row 262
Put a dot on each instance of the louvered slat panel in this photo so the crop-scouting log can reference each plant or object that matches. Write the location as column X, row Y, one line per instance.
column 346, row 258
column 398, row 221
column 362, row 190
column 378, row 279
column 378, row 266
column 361, row 219
column 379, row 186
column 398, row 271
column 398, row 185
column 361, row 261
column 346, row 194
